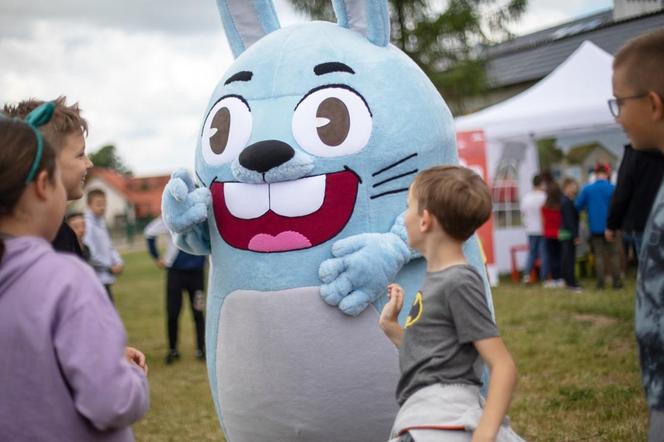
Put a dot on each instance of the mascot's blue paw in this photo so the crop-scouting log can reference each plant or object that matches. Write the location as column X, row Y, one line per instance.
column 362, row 267
column 183, row 205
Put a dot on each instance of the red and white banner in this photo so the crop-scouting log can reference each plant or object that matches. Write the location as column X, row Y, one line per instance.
column 472, row 154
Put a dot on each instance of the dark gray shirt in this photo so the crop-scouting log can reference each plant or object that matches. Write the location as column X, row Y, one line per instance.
column 449, row 313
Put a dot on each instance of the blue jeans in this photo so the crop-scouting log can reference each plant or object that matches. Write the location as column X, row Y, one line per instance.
column 537, row 249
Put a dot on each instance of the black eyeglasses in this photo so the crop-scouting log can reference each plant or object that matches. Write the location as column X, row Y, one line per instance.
column 615, row 103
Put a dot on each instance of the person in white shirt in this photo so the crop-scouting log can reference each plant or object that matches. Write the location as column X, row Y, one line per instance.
column 104, row 258
column 531, row 216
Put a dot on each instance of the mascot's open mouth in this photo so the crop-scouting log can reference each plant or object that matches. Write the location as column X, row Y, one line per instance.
column 289, row 215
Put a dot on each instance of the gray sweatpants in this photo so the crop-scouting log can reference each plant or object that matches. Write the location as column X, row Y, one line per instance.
column 447, row 406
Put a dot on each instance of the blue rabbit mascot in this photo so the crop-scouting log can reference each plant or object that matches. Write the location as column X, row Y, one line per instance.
column 308, row 146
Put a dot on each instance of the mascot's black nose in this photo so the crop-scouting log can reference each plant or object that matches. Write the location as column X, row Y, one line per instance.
column 265, row 155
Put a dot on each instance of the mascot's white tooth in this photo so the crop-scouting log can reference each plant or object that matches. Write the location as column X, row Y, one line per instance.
column 247, row 201
column 299, row 197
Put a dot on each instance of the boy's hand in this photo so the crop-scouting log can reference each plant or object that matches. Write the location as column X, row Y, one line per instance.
column 137, row 357
column 117, row 269
column 480, row 435
column 610, row 235
column 393, row 307
column 389, row 317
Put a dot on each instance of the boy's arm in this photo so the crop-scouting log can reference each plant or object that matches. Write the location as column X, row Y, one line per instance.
column 501, row 387
column 89, row 342
column 151, row 232
column 97, row 259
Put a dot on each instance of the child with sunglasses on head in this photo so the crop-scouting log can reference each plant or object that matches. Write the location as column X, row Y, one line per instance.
column 64, row 371
column 638, row 106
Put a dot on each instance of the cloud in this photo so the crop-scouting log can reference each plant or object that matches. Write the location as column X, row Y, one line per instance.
column 142, row 79
column 142, row 70
column 143, row 91
column 131, row 15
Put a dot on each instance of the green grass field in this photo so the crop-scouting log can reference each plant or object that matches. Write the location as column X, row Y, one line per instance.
column 578, row 368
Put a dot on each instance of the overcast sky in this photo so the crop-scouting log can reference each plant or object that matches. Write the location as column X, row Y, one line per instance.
column 143, row 70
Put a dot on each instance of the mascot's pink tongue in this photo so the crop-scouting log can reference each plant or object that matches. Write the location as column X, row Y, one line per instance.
column 290, row 240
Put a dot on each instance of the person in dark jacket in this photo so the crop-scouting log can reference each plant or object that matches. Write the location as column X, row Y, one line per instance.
column 76, row 221
column 639, row 177
column 183, row 272
column 569, row 233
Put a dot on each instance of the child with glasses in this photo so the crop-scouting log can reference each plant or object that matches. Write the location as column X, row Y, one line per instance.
column 65, row 373
column 638, row 105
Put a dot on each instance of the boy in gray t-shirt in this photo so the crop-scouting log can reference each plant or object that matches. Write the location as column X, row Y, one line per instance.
column 449, row 329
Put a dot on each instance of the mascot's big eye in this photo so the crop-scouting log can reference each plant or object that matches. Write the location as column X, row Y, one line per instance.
column 332, row 121
column 226, row 130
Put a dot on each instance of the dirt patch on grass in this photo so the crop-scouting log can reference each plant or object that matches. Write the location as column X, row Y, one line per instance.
column 596, row 320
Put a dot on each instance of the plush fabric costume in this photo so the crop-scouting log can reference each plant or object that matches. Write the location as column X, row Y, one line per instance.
column 307, row 149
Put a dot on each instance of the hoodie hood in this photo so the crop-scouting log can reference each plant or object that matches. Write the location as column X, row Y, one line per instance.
column 20, row 255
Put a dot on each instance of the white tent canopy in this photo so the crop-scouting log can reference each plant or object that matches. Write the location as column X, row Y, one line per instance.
column 570, row 105
column 571, row 98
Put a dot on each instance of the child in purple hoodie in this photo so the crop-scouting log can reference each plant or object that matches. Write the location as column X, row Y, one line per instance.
column 64, row 374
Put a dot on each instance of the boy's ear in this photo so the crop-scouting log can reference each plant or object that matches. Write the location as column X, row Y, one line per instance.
column 657, row 105
column 426, row 221
column 42, row 183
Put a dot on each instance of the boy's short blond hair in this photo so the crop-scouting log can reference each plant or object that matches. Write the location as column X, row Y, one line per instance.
column 642, row 59
column 456, row 196
column 66, row 119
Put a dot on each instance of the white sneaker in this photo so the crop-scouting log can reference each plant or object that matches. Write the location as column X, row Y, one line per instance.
column 549, row 284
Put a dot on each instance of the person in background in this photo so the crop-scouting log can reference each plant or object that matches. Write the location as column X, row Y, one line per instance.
column 65, row 372
column 638, row 106
column 183, row 272
column 595, row 199
column 531, row 216
column 551, row 220
column 569, row 233
column 76, row 221
column 103, row 257
column 639, row 177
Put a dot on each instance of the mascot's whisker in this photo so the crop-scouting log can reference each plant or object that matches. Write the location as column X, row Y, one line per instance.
column 384, row 169
column 201, row 182
column 396, row 177
column 389, row 192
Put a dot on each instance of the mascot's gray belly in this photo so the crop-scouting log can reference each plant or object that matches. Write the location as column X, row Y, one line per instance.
column 292, row 368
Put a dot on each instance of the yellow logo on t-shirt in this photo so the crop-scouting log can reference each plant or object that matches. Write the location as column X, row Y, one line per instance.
column 415, row 310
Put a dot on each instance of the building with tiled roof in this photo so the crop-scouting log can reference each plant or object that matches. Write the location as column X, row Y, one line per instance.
column 129, row 199
column 515, row 65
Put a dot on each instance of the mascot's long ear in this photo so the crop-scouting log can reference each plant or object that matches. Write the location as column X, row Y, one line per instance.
column 246, row 21
column 368, row 17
